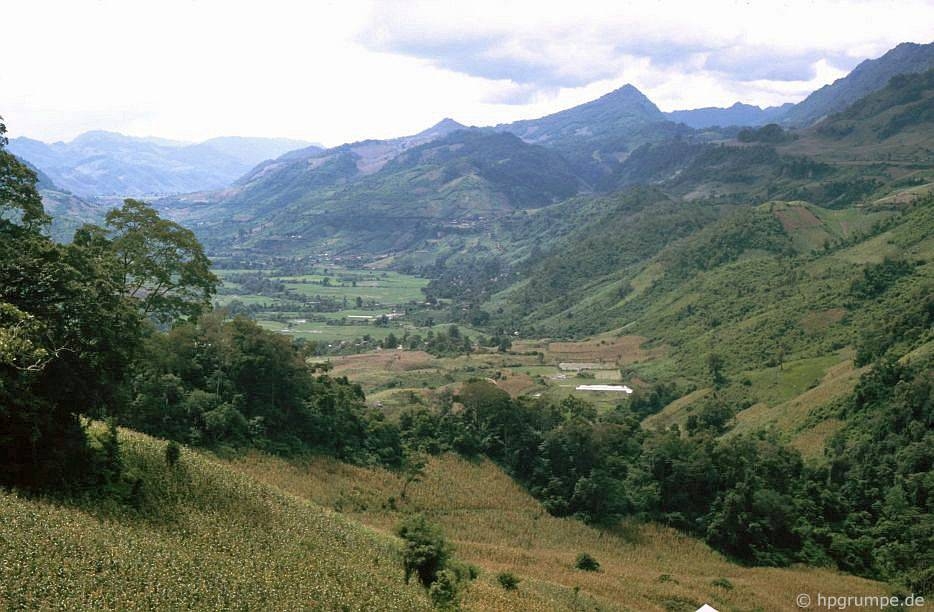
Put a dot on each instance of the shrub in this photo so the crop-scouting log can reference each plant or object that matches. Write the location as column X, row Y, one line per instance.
column 723, row 583
column 586, row 563
column 426, row 550
column 445, row 591
column 172, row 453
column 508, row 581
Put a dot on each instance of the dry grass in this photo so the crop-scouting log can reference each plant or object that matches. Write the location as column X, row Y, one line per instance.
column 515, row 383
column 386, row 361
column 610, row 349
column 497, row 526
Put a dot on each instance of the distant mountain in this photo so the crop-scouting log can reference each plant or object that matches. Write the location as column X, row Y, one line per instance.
column 739, row 114
column 358, row 197
column 302, row 166
column 597, row 135
column 68, row 211
column 867, row 77
column 103, row 163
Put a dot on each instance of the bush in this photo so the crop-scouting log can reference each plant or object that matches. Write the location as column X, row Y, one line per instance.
column 508, row 581
column 723, row 583
column 445, row 591
column 172, row 453
column 426, row 550
column 586, row 563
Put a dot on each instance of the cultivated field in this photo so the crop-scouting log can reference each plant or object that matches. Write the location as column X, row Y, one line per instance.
column 498, row 527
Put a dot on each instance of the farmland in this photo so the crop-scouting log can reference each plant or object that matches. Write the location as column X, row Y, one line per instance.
column 260, row 532
column 328, row 304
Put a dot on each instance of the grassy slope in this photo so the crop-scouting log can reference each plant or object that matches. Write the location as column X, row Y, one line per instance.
column 260, row 533
column 497, row 526
column 206, row 538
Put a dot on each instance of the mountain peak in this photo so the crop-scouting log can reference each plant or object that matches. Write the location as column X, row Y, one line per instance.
column 445, row 126
column 627, row 91
column 442, row 128
column 628, row 96
column 448, row 123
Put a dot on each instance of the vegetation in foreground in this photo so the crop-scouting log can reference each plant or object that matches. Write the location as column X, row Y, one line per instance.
column 193, row 535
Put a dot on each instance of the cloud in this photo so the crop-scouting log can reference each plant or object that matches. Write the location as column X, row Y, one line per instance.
column 339, row 71
column 547, row 47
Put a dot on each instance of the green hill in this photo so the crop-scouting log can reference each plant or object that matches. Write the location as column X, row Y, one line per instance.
column 196, row 536
column 867, row 77
column 450, row 185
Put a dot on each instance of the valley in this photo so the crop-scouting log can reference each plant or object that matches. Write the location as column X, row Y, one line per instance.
column 609, row 358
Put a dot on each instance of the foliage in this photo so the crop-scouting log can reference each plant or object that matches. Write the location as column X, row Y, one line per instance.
column 508, row 581
column 749, row 496
column 586, row 562
column 215, row 382
column 66, row 339
column 768, row 134
column 426, row 553
column 173, row 453
column 879, row 277
column 18, row 195
column 161, row 264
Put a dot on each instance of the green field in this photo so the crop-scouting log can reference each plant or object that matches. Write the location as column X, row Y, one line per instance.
column 328, row 304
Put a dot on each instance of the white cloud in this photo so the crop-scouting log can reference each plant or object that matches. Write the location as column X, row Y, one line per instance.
column 339, row 71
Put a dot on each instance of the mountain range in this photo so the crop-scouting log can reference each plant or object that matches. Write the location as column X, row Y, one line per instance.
column 374, row 196
column 449, row 181
column 103, row 163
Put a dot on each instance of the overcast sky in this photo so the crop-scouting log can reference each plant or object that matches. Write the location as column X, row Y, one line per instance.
column 334, row 72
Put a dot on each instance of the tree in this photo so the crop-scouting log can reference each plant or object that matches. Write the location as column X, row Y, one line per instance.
column 715, row 366
column 161, row 264
column 66, row 339
column 18, row 193
column 426, row 552
column 413, row 469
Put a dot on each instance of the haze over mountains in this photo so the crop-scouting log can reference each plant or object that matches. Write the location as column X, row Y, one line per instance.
column 103, row 163
column 376, row 196
column 589, row 136
column 282, row 194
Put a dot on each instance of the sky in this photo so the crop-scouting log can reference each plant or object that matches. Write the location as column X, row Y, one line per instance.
column 334, row 72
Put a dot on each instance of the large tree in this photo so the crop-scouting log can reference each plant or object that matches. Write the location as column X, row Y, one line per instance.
column 69, row 326
column 160, row 263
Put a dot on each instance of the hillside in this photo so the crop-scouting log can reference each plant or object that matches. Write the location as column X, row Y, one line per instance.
column 867, row 77
column 347, row 200
column 67, row 210
column 499, row 527
column 106, row 163
column 260, row 532
column 197, row 536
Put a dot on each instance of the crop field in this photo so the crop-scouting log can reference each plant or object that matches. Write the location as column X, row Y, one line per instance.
column 329, row 304
column 204, row 537
column 497, row 526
